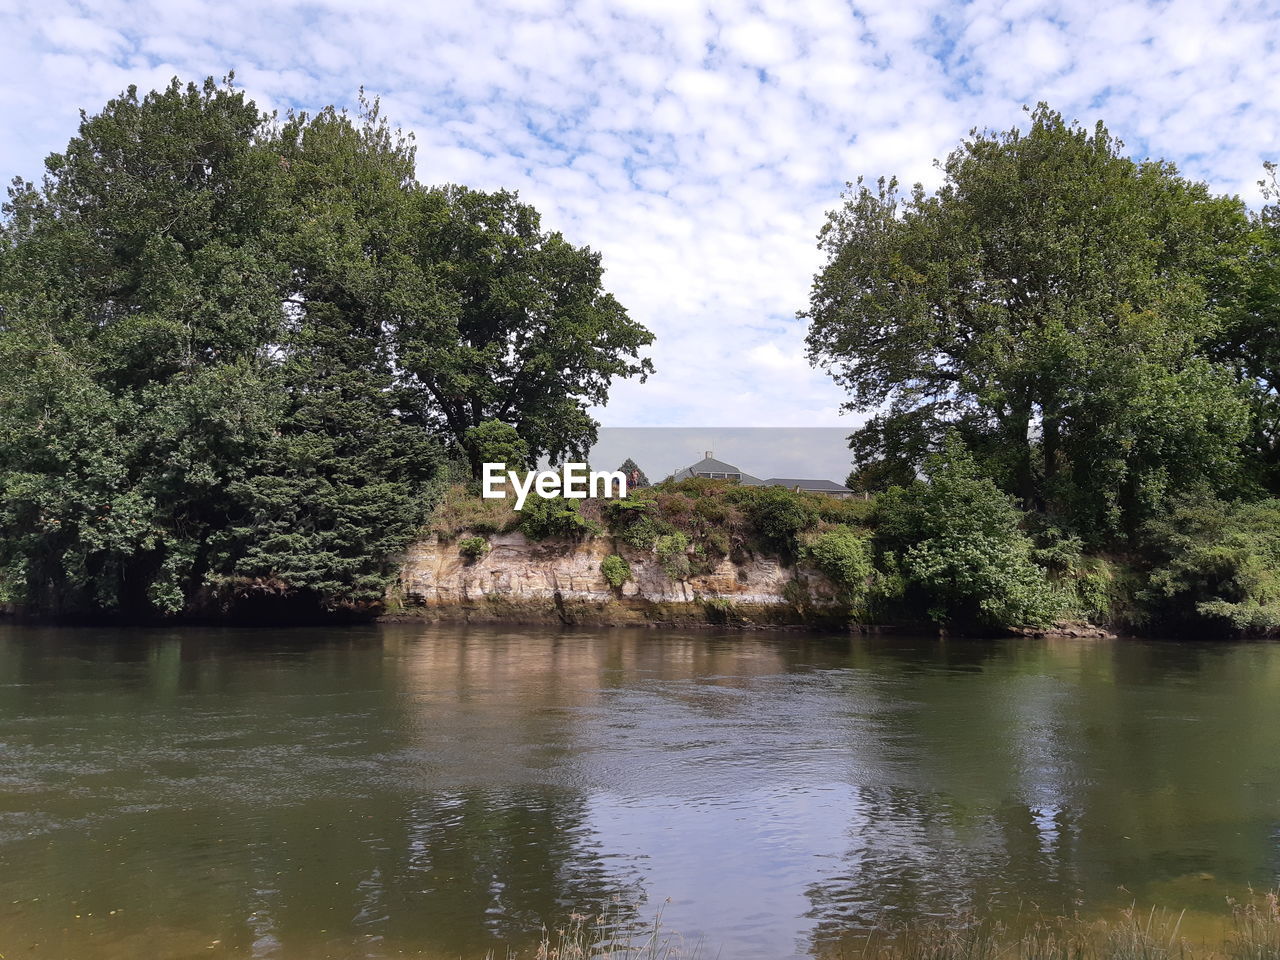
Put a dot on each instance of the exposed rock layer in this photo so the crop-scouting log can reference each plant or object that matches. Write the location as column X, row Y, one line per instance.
column 521, row 579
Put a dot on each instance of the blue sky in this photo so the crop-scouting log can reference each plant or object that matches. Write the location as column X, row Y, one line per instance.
column 697, row 145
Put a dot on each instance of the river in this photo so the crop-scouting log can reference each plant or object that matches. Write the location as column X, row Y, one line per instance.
column 443, row 791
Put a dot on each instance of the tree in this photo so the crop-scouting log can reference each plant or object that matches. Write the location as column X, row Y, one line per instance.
column 345, row 482
column 197, row 380
column 1248, row 341
column 524, row 334
column 635, row 476
column 1216, row 564
column 139, row 286
column 230, row 344
column 877, row 476
column 1052, row 303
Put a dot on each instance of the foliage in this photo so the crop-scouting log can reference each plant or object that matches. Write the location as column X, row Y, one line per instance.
column 496, row 442
column 673, row 555
column 544, row 518
column 1216, row 564
column 615, row 570
column 877, row 476
column 523, row 332
column 632, row 470
column 232, row 346
column 635, row 520
column 1088, row 584
column 460, row 511
column 953, row 543
column 845, row 556
column 473, row 548
column 777, row 515
column 1054, row 302
column 138, row 284
column 1247, row 341
column 346, row 480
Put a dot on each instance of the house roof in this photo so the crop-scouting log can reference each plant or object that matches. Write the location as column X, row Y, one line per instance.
column 826, row 486
column 712, row 465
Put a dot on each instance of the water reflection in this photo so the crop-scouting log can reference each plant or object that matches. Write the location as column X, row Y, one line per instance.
column 433, row 791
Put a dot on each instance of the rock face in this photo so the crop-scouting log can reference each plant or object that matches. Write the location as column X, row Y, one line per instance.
column 519, row 579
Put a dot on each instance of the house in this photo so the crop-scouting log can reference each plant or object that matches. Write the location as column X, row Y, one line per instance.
column 712, row 469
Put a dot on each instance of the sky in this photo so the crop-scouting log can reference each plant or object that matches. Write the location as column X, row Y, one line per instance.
column 696, row 145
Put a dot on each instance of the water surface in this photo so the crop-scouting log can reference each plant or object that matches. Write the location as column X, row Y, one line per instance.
column 444, row 791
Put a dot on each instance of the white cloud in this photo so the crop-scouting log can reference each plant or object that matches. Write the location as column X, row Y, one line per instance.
column 695, row 143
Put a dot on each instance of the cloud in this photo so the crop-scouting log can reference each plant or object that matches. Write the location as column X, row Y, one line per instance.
column 695, row 144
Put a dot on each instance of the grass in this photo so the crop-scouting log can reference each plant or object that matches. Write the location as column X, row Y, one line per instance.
column 1252, row 933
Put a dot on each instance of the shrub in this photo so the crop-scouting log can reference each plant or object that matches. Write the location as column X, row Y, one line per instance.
column 615, row 570
column 634, row 520
column 955, row 543
column 461, row 511
column 844, row 556
column 546, row 517
column 673, row 555
column 496, row 442
column 1217, row 565
column 853, row 511
column 777, row 516
column 473, row 548
column 1087, row 583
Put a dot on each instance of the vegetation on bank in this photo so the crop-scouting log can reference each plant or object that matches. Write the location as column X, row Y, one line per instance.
column 1252, row 932
column 244, row 355
column 1100, row 336
column 950, row 547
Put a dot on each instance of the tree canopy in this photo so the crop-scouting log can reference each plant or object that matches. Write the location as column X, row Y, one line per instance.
column 237, row 348
column 1056, row 304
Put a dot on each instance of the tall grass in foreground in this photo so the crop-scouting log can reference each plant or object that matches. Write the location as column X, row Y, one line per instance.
column 1253, row 934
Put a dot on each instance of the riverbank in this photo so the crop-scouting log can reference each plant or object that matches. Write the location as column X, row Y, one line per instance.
column 517, row 580
column 691, row 554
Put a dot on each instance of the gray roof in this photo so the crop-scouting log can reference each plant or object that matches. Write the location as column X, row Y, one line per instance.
column 712, row 465
column 827, row 486
column 708, row 465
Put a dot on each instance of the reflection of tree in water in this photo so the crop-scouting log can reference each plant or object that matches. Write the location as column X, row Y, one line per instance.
column 449, row 873
column 496, row 865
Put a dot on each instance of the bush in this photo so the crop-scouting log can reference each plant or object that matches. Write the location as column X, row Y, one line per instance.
column 1088, row 583
column 955, row 543
column 546, row 517
column 777, row 516
column 634, row 521
column 473, row 548
column 844, row 556
column 461, row 511
column 615, row 570
column 1216, row 565
column 496, row 442
column 673, row 555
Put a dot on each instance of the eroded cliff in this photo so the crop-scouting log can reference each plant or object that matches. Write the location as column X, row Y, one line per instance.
column 523, row 580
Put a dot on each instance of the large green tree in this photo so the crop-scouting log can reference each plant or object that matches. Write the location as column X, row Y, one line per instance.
column 525, row 334
column 345, row 481
column 1053, row 301
column 1248, row 341
column 138, row 289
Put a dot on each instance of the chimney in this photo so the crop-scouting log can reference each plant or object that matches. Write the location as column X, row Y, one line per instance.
column 709, row 457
